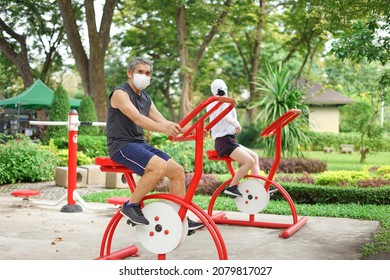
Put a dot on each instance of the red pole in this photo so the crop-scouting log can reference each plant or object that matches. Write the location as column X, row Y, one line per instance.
column 73, row 123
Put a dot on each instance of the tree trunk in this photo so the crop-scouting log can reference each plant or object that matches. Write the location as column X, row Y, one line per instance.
column 19, row 59
column 255, row 55
column 188, row 70
column 90, row 69
column 166, row 90
column 363, row 154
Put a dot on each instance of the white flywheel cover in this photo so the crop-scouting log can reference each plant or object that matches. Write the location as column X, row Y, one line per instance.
column 165, row 230
column 254, row 197
column 185, row 221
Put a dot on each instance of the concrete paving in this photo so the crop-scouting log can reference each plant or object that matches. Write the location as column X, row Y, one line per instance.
column 43, row 232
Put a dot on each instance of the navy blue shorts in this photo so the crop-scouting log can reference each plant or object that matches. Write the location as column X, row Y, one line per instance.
column 226, row 145
column 136, row 156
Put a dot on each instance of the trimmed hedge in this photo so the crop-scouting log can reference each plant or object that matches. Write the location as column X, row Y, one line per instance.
column 303, row 192
column 299, row 165
column 319, row 140
column 312, row 194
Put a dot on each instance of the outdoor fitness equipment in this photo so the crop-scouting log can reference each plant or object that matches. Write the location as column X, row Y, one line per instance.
column 256, row 189
column 168, row 225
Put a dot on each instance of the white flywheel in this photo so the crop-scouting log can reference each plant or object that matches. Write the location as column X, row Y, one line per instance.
column 254, row 197
column 165, row 230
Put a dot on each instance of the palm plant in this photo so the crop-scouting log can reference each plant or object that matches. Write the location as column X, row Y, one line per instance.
column 278, row 94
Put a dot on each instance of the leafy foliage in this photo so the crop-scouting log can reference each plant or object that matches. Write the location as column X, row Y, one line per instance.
column 183, row 153
column 278, row 96
column 315, row 194
column 321, row 140
column 21, row 160
column 91, row 146
column 363, row 42
column 59, row 112
column 335, row 178
column 82, row 159
column 87, row 113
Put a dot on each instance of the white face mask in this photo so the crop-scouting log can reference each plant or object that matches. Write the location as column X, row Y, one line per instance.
column 141, row 81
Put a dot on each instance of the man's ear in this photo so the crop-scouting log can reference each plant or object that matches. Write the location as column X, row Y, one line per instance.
column 129, row 74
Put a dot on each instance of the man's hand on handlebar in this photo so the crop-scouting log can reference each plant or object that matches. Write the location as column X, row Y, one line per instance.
column 173, row 129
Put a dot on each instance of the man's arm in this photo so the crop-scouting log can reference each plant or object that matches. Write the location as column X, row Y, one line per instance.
column 155, row 115
column 120, row 100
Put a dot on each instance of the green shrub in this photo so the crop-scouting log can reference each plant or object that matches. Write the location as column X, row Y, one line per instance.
column 319, row 140
column 82, row 159
column 87, row 113
column 59, row 112
column 250, row 136
column 91, row 146
column 184, row 154
column 21, row 160
column 156, row 138
column 383, row 170
column 313, row 194
column 334, row 178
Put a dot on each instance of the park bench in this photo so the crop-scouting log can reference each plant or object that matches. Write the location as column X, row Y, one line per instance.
column 327, row 149
column 347, row 148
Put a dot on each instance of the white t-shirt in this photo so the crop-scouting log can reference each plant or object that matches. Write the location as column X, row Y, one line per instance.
column 227, row 125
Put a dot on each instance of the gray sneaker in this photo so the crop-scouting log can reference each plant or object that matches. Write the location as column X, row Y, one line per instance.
column 134, row 214
column 232, row 191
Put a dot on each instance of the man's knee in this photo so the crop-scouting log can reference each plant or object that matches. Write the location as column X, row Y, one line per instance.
column 175, row 170
column 157, row 167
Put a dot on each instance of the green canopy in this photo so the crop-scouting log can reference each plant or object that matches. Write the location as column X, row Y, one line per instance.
column 36, row 96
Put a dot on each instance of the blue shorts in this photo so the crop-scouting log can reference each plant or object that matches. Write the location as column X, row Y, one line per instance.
column 136, row 156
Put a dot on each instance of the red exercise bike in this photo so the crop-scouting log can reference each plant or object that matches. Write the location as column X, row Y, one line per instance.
column 256, row 188
column 168, row 225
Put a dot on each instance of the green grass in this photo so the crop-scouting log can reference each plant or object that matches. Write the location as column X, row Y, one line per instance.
column 335, row 161
column 381, row 213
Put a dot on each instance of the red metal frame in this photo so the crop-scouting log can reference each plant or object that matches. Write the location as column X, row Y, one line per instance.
column 273, row 129
column 196, row 133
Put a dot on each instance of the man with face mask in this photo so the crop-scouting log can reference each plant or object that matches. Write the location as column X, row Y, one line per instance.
column 130, row 111
column 224, row 135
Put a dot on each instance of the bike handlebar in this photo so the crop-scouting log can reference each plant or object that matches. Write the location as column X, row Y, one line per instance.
column 189, row 134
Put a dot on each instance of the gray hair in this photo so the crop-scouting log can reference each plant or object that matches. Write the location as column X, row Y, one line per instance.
column 139, row 60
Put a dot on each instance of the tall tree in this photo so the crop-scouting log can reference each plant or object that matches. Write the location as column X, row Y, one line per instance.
column 177, row 38
column 36, row 43
column 90, row 68
column 246, row 30
column 307, row 32
column 148, row 30
column 190, row 57
column 366, row 39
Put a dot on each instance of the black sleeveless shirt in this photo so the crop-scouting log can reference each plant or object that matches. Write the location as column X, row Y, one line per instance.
column 120, row 129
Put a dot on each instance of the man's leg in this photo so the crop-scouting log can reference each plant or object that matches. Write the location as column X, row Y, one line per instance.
column 175, row 173
column 155, row 170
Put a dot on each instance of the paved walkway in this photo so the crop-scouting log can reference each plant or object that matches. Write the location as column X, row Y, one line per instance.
column 43, row 232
